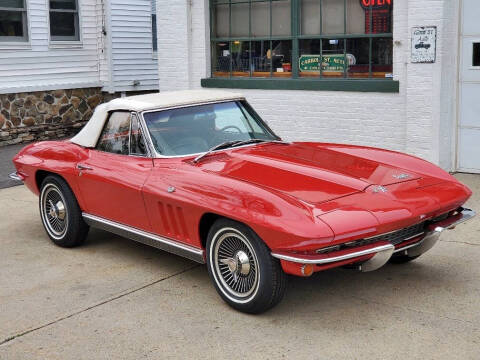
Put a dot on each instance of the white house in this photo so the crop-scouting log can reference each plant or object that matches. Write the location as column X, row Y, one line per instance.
column 397, row 74
column 60, row 58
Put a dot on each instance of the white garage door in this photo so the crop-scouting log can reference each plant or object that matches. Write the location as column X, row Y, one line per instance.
column 469, row 105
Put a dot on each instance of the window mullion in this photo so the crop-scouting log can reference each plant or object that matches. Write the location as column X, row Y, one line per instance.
column 295, row 29
column 230, row 37
column 345, row 66
column 271, row 42
column 320, row 60
column 250, row 38
column 12, row 9
column 64, row 11
column 213, row 55
column 370, row 42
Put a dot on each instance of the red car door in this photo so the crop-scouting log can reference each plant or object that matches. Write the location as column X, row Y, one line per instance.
column 112, row 177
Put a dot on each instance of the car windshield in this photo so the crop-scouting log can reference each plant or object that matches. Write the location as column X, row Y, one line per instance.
column 196, row 129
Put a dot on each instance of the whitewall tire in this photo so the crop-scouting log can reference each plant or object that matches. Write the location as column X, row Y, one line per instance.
column 243, row 272
column 60, row 214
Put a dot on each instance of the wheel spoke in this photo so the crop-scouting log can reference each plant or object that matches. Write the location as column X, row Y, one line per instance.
column 236, row 264
column 55, row 214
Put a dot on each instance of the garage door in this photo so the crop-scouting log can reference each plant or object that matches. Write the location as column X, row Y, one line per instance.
column 469, row 86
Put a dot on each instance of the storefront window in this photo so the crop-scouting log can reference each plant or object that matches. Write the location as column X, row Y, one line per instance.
column 323, row 39
column 252, row 38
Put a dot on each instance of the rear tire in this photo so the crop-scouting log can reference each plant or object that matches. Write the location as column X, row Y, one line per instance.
column 242, row 270
column 61, row 216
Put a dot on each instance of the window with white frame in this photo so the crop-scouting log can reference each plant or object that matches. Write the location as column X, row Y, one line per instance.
column 64, row 23
column 13, row 20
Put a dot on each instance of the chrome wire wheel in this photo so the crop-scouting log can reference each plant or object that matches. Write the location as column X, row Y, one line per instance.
column 54, row 211
column 236, row 265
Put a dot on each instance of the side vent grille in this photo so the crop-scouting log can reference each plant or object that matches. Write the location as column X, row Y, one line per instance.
column 173, row 221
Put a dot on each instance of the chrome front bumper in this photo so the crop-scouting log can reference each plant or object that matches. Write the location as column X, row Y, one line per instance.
column 432, row 237
column 382, row 251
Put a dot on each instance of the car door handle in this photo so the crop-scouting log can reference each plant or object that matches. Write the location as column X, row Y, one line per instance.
column 83, row 167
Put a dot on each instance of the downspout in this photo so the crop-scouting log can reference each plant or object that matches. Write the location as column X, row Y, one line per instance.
column 108, row 45
column 189, row 42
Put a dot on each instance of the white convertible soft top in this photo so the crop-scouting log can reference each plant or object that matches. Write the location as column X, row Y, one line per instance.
column 90, row 133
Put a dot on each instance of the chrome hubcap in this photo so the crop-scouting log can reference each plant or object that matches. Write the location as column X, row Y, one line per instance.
column 236, row 264
column 54, row 212
column 57, row 210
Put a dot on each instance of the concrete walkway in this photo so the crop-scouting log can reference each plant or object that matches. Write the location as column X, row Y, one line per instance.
column 116, row 299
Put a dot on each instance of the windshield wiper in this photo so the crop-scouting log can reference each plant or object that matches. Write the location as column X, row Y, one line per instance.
column 252, row 141
column 222, row 145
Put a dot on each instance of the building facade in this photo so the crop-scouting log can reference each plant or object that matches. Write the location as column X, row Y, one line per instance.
column 60, row 58
column 402, row 75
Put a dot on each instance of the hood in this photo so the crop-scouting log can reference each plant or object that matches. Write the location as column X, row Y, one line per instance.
column 309, row 173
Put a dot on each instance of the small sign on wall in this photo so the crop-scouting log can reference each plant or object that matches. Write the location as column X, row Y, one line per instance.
column 424, row 44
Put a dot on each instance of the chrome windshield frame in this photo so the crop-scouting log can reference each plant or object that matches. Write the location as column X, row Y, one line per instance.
column 157, row 155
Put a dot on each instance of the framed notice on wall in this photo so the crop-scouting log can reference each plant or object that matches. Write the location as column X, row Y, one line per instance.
column 424, row 44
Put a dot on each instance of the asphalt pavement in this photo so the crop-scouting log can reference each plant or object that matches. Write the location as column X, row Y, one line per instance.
column 116, row 299
column 6, row 166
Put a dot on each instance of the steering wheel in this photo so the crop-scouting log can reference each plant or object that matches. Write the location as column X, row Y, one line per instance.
column 231, row 127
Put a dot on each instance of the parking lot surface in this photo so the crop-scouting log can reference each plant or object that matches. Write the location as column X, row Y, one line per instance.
column 115, row 299
column 6, row 165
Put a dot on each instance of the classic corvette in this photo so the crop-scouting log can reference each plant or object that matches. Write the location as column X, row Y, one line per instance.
column 199, row 174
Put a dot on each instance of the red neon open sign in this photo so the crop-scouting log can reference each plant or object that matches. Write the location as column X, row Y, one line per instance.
column 376, row 3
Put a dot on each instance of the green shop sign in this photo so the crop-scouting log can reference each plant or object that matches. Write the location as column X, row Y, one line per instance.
column 330, row 63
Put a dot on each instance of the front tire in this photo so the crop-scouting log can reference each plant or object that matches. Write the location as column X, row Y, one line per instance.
column 61, row 216
column 244, row 273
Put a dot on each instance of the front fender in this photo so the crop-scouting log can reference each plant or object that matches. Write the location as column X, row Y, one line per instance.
column 281, row 221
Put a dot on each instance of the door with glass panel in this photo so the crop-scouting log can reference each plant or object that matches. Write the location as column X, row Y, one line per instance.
column 469, row 89
column 111, row 178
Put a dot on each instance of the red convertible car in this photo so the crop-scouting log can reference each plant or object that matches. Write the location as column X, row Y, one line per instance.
column 199, row 174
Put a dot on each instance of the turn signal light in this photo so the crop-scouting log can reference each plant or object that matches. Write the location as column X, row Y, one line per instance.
column 297, row 268
column 307, row 269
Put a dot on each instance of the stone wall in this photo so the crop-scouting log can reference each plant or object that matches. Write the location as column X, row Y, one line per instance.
column 45, row 115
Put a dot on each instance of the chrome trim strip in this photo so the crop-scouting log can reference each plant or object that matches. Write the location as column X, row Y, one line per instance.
column 374, row 250
column 146, row 238
column 467, row 214
column 414, row 236
column 14, row 176
column 407, row 247
column 427, row 236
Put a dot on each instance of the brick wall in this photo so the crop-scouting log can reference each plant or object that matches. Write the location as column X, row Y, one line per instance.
column 420, row 119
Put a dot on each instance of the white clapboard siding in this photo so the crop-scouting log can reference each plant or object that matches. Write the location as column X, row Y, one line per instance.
column 132, row 57
column 42, row 65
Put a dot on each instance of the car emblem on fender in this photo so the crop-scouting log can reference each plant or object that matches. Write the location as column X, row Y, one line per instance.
column 379, row 188
column 401, row 176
